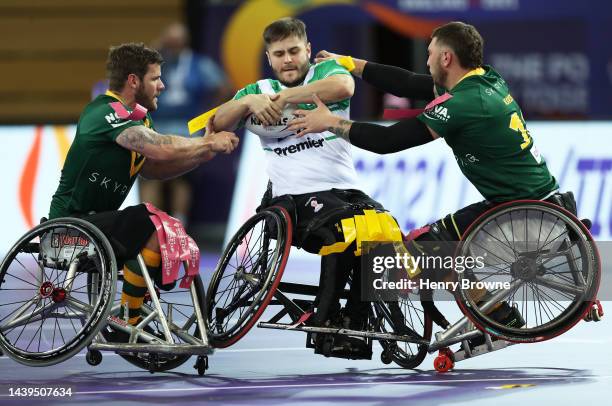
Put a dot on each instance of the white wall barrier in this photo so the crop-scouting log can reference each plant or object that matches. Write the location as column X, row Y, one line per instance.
column 31, row 160
column 424, row 184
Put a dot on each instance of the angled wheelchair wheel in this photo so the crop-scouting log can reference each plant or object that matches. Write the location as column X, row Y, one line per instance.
column 46, row 313
column 540, row 260
column 404, row 317
column 179, row 311
column 247, row 275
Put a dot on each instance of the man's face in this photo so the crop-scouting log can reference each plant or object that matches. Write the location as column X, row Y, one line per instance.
column 435, row 62
column 150, row 88
column 289, row 59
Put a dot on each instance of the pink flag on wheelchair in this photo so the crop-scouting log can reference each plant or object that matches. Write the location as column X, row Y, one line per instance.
column 175, row 246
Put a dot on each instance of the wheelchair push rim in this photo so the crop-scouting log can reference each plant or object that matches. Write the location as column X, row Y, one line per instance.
column 251, row 276
column 535, row 270
column 47, row 271
column 415, row 319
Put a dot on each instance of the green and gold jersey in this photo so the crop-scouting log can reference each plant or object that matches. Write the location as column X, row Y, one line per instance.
column 98, row 173
column 485, row 128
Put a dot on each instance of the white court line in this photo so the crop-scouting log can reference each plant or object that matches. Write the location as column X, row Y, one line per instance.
column 322, row 385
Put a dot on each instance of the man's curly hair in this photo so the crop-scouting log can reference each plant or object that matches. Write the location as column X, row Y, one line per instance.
column 464, row 40
column 126, row 59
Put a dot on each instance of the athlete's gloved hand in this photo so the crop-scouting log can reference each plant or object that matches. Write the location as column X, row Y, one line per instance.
column 264, row 107
column 223, row 141
column 324, row 55
column 312, row 121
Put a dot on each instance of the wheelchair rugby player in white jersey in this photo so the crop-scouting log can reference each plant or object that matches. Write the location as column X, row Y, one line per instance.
column 312, row 177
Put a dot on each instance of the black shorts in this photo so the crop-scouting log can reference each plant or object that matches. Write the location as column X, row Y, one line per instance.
column 324, row 209
column 128, row 230
column 463, row 218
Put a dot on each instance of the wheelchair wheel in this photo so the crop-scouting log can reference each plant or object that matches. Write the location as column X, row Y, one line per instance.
column 404, row 317
column 46, row 313
column 247, row 275
column 183, row 322
column 547, row 260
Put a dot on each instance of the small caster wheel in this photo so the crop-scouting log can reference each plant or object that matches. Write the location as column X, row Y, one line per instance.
column 201, row 364
column 153, row 362
column 444, row 361
column 597, row 312
column 93, row 357
column 385, row 357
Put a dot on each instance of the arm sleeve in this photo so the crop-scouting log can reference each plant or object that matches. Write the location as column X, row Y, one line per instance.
column 386, row 140
column 398, row 81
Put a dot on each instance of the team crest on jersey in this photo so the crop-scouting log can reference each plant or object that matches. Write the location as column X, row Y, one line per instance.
column 316, row 206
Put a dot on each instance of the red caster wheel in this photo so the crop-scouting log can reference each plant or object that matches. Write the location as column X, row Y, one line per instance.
column 444, row 361
column 595, row 313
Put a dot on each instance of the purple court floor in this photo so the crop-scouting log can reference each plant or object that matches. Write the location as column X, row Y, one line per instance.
column 271, row 367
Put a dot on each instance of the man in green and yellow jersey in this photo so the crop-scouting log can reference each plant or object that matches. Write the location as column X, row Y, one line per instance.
column 111, row 147
column 477, row 117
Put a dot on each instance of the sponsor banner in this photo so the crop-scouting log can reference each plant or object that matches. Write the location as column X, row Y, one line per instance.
column 423, row 184
column 31, row 162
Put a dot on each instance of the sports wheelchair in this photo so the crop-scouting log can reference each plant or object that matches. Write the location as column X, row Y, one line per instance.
column 544, row 254
column 59, row 293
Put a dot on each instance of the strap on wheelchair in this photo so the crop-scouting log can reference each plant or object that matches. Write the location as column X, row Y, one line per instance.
column 369, row 226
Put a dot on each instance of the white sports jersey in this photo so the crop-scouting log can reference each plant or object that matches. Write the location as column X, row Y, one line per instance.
column 314, row 162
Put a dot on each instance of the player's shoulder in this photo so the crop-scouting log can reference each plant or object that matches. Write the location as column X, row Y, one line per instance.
column 99, row 116
column 328, row 68
column 267, row 86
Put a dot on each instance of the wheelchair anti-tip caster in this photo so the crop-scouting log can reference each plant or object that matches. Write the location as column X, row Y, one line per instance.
column 385, row 357
column 201, row 364
column 444, row 362
column 93, row 357
column 596, row 312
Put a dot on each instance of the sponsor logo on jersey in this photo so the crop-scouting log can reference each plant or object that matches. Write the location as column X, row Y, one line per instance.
column 107, row 183
column 114, row 120
column 466, row 160
column 438, row 112
column 282, row 121
column 302, row 146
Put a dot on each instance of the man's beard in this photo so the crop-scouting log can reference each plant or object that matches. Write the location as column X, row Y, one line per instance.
column 440, row 77
column 142, row 99
column 299, row 80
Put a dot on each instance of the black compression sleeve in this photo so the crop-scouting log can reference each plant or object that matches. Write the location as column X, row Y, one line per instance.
column 385, row 140
column 398, row 81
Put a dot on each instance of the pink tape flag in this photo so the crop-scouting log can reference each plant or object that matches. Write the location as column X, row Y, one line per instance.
column 137, row 114
column 398, row 114
column 175, row 246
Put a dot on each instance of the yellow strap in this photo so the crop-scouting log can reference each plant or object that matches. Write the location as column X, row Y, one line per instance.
column 375, row 232
column 347, row 62
column 362, row 232
column 348, row 229
column 199, row 123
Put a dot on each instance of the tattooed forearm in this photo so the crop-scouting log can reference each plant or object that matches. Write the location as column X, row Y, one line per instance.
column 138, row 136
column 342, row 129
